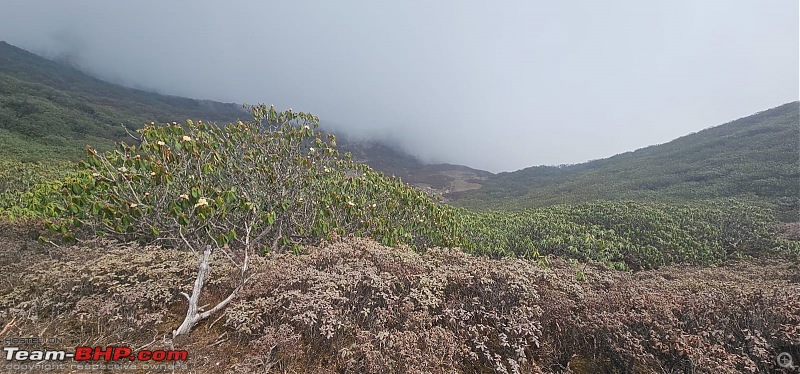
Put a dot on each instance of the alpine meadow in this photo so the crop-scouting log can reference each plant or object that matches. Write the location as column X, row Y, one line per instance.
column 257, row 240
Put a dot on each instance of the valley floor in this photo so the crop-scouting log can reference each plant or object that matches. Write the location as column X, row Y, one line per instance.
column 356, row 306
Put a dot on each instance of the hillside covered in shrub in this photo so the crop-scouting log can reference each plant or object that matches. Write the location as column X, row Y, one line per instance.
column 313, row 263
column 283, row 255
column 754, row 157
column 50, row 110
column 278, row 183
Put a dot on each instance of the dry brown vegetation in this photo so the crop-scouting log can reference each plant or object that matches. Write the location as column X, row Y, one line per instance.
column 356, row 306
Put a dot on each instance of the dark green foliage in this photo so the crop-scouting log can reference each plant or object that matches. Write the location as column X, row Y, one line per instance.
column 754, row 157
column 628, row 235
column 349, row 199
column 203, row 181
column 22, row 176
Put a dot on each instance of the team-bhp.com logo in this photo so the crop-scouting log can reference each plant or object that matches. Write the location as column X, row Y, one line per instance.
column 112, row 353
column 92, row 359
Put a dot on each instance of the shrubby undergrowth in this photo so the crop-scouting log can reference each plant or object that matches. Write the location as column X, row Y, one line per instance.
column 277, row 185
column 630, row 235
column 357, row 306
column 278, row 182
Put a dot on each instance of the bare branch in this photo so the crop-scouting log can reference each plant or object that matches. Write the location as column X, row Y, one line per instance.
column 193, row 316
column 186, row 241
column 139, row 139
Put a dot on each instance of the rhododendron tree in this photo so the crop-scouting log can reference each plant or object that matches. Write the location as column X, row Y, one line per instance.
column 271, row 184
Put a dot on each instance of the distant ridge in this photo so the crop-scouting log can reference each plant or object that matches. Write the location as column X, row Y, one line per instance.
column 50, row 110
column 757, row 156
column 30, row 67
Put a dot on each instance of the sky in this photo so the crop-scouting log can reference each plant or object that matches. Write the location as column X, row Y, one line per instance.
column 498, row 85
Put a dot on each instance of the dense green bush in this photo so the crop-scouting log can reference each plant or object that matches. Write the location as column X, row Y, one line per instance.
column 30, row 189
column 278, row 183
column 270, row 184
column 22, row 176
column 628, row 235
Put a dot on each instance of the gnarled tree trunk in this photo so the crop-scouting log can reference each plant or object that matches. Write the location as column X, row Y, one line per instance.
column 193, row 314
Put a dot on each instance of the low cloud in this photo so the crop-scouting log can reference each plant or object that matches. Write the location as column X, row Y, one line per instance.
column 497, row 87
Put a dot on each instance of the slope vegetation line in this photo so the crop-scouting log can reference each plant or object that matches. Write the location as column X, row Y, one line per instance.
column 753, row 157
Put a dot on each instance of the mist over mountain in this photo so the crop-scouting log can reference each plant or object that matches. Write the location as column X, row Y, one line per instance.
column 498, row 87
column 56, row 109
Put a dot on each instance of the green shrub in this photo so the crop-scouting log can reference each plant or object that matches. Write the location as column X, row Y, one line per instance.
column 271, row 184
column 628, row 235
column 278, row 183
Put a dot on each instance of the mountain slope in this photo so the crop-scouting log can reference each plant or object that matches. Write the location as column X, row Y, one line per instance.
column 50, row 111
column 437, row 179
column 756, row 156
